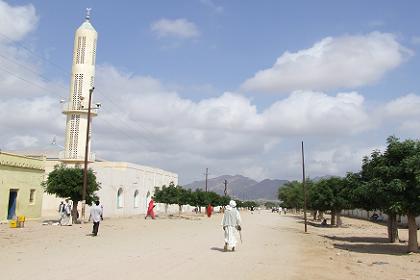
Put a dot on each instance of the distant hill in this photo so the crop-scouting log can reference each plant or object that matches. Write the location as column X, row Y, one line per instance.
column 241, row 187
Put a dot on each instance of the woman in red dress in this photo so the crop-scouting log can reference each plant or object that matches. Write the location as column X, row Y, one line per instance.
column 150, row 211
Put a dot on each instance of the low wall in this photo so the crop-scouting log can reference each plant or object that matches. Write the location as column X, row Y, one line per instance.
column 363, row 214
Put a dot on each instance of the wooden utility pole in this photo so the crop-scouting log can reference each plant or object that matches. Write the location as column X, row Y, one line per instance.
column 85, row 169
column 225, row 187
column 207, row 176
column 304, row 189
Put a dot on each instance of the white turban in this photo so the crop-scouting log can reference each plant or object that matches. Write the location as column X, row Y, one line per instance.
column 232, row 203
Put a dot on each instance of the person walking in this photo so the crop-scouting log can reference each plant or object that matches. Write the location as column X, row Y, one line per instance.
column 96, row 217
column 209, row 210
column 150, row 211
column 65, row 212
column 231, row 223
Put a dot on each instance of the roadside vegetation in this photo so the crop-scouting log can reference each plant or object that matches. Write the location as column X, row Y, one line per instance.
column 388, row 181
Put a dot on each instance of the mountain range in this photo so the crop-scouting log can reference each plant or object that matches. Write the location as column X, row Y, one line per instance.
column 241, row 187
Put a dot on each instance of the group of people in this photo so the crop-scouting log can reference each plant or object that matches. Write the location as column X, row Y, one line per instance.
column 64, row 209
column 231, row 222
column 96, row 215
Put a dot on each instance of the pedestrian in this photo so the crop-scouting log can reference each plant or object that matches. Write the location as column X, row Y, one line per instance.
column 150, row 211
column 95, row 217
column 231, row 223
column 209, row 210
column 65, row 209
column 61, row 210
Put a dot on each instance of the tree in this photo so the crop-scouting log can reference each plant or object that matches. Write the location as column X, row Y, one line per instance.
column 403, row 161
column 291, row 195
column 67, row 182
column 329, row 194
column 392, row 180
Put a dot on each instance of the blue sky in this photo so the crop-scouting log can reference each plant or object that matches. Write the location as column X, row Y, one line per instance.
column 207, row 72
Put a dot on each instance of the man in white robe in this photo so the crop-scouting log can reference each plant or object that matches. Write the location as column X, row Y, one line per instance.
column 231, row 223
column 66, row 214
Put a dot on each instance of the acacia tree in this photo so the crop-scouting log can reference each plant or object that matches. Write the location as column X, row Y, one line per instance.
column 67, row 182
column 403, row 161
column 392, row 179
column 291, row 195
column 329, row 194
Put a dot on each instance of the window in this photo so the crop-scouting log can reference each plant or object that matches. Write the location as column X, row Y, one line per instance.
column 136, row 199
column 120, row 198
column 32, row 196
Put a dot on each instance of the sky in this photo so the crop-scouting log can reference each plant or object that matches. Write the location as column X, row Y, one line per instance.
column 232, row 86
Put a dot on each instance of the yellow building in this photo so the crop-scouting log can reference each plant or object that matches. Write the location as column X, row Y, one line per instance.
column 20, row 186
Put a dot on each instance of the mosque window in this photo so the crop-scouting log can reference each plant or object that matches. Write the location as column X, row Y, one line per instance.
column 83, row 51
column 79, row 43
column 120, row 198
column 136, row 199
column 94, row 52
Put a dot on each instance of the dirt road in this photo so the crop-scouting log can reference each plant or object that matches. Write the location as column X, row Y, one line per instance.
column 135, row 248
column 274, row 247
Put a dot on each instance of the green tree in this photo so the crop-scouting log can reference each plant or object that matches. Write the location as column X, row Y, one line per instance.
column 392, row 181
column 403, row 161
column 67, row 182
column 291, row 195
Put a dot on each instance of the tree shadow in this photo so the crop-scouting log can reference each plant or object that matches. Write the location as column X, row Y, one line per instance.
column 375, row 248
column 358, row 239
column 318, row 224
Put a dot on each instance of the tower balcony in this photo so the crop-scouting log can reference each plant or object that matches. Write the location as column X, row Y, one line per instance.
column 69, row 108
column 70, row 158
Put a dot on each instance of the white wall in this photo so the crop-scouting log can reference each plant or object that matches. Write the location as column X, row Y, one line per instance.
column 120, row 175
column 363, row 214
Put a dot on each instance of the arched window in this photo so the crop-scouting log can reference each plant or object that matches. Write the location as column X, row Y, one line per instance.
column 120, row 198
column 136, row 199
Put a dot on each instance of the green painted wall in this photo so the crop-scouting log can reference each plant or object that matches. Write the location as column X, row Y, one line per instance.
column 23, row 174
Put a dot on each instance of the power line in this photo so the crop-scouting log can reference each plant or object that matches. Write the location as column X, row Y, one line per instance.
column 27, row 81
column 115, row 104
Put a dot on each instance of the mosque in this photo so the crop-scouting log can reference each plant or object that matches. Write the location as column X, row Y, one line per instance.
column 125, row 187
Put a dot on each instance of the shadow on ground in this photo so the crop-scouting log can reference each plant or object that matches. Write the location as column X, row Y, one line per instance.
column 217, row 249
column 358, row 239
column 375, row 248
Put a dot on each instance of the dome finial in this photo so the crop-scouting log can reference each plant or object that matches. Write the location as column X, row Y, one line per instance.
column 87, row 17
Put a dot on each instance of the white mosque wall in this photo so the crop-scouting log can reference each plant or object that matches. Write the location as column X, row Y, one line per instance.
column 124, row 189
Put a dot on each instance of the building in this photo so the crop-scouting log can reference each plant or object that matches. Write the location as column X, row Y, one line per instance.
column 125, row 187
column 21, row 192
column 78, row 108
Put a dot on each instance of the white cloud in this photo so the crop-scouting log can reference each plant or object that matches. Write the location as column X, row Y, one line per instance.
column 16, row 21
column 405, row 106
column 347, row 61
column 315, row 113
column 179, row 28
column 405, row 112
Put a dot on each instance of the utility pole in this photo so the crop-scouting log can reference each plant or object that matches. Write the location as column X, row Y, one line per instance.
column 85, row 182
column 225, row 187
column 207, row 176
column 304, row 189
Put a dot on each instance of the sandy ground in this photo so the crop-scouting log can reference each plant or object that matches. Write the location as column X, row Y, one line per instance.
column 274, row 247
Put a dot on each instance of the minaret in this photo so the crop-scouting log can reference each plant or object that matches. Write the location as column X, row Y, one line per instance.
column 82, row 81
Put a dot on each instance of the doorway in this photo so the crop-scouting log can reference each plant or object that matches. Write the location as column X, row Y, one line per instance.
column 11, row 214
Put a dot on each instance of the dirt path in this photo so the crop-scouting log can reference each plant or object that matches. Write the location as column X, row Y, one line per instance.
column 274, row 247
column 162, row 249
